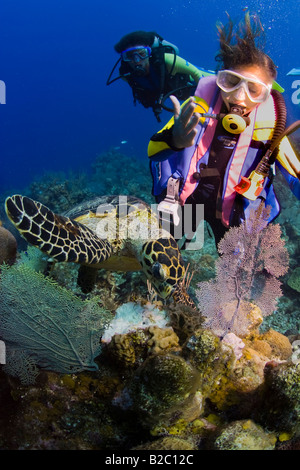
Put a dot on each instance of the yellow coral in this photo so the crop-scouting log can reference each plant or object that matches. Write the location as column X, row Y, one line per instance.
column 280, row 344
column 262, row 347
column 284, row 436
column 197, row 426
column 68, row 381
column 213, row 419
column 247, row 425
column 122, row 349
column 162, row 339
column 178, row 427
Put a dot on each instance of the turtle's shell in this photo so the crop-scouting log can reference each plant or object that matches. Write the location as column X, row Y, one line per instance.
column 111, row 232
column 119, row 206
column 127, row 222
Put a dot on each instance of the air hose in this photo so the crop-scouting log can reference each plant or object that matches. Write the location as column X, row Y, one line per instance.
column 279, row 132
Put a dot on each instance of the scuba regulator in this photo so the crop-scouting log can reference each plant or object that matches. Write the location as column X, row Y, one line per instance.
column 233, row 122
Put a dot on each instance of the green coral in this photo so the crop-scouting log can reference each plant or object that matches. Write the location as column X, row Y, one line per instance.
column 49, row 324
column 281, row 399
column 163, row 382
column 213, row 359
column 34, row 259
column 202, row 344
column 245, row 435
column 294, row 279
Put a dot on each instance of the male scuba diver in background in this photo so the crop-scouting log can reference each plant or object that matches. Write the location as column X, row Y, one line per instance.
column 152, row 68
column 221, row 146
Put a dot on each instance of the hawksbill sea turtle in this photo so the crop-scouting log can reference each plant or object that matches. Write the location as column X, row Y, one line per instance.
column 118, row 233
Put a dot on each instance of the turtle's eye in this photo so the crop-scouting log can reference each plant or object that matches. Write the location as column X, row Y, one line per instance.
column 158, row 272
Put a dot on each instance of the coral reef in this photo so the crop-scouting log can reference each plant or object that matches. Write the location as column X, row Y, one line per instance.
column 105, row 180
column 160, row 378
column 281, row 397
column 278, row 345
column 154, row 390
column 131, row 349
column 60, row 191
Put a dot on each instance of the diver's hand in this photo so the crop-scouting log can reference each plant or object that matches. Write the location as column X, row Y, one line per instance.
column 185, row 122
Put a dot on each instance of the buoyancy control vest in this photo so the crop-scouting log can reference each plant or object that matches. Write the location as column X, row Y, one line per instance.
column 185, row 163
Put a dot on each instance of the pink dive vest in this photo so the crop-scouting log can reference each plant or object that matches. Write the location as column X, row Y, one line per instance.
column 264, row 112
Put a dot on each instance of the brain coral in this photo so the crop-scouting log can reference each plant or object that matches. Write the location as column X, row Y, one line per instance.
column 8, row 246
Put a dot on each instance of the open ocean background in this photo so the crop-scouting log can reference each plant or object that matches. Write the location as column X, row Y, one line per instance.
column 55, row 57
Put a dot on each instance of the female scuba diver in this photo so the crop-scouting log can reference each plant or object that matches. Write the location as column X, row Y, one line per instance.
column 152, row 68
column 220, row 148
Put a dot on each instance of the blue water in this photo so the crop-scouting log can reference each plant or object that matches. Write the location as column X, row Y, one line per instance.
column 55, row 58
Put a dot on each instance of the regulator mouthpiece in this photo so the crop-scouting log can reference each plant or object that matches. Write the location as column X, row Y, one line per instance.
column 235, row 122
column 139, row 71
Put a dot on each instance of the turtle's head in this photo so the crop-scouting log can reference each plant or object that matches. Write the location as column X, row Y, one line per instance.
column 162, row 263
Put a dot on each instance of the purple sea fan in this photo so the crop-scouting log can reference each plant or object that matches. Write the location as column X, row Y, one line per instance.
column 273, row 255
column 253, row 256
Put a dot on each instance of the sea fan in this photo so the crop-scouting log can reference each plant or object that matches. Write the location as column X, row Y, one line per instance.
column 253, row 256
column 49, row 325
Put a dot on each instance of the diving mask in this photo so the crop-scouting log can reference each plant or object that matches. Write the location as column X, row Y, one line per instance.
column 256, row 90
column 135, row 54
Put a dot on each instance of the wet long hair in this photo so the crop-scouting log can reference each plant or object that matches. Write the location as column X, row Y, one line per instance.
column 137, row 38
column 243, row 44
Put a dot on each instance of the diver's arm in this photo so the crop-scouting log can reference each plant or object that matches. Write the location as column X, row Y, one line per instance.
column 183, row 66
column 180, row 131
column 289, row 164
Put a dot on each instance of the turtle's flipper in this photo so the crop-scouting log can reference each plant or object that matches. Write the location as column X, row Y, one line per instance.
column 60, row 237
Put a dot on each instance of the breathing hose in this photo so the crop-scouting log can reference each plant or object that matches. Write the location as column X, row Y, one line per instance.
column 252, row 186
column 279, row 132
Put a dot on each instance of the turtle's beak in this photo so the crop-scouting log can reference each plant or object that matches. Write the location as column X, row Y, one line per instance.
column 158, row 272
